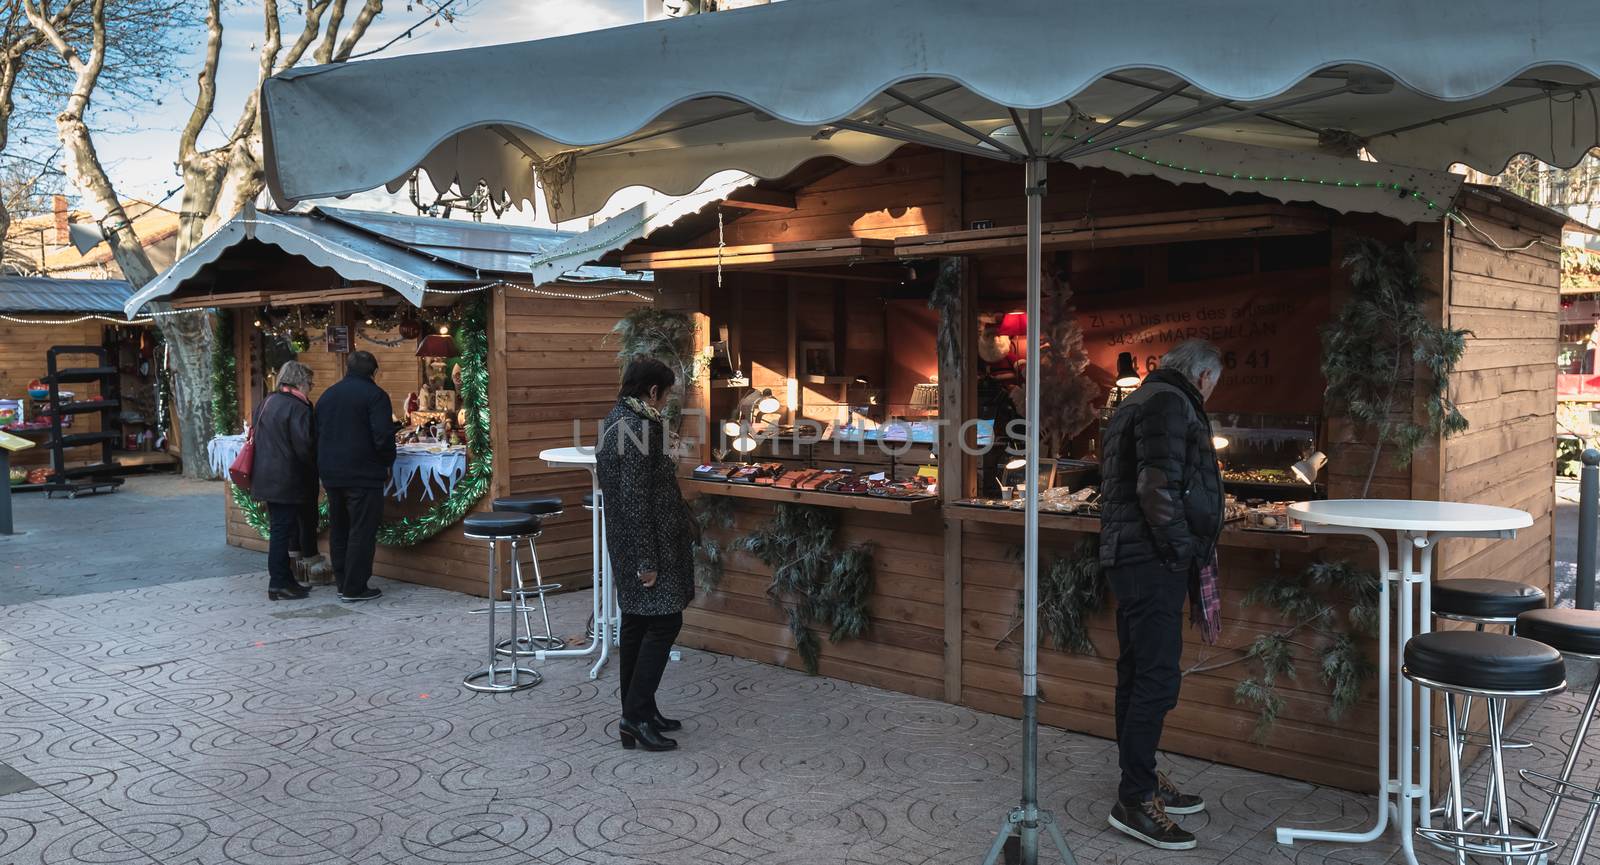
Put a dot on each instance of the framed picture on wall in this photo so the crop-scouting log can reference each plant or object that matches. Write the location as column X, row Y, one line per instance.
column 816, row 358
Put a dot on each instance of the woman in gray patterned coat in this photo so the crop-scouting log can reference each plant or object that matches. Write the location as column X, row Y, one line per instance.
column 650, row 534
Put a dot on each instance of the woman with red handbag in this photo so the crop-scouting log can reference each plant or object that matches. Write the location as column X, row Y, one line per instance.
column 284, row 476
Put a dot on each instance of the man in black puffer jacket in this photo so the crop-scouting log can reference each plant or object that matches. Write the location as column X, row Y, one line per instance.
column 1161, row 513
column 355, row 449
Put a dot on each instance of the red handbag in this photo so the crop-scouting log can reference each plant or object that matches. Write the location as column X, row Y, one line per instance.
column 243, row 464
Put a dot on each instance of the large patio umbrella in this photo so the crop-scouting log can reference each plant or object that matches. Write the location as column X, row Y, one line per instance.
column 1262, row 95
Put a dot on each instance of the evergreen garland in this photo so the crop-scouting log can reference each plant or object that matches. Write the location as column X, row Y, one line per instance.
column 224, row 379
column 668, row 337
column 1071, row 592
column 1303, row 602
column 1371, row 352
column 818, row 583
column 711, row 513
column 472, row 341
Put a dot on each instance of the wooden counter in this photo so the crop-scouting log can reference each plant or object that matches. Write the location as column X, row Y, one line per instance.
column 878, row 504
column 1243, row 538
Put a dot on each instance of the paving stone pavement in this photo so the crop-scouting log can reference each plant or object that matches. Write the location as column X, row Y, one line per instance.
column 106, row 542
column 196, row 722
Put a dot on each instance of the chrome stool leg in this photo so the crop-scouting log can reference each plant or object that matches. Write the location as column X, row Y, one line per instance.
column 1561, row 788
column 489, row 679
column 529, row 644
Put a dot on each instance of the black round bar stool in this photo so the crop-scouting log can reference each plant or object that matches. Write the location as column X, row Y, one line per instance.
column 497, row 527
column 1495, row 668
column 1481, row 603
column 1576, row 633
column 542, row 508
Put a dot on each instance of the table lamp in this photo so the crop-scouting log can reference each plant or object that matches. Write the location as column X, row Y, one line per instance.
column 1308, row 469
column 1127, row 373
column 1015, row 325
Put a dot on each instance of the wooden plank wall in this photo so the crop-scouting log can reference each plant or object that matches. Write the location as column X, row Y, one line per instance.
column 1505, row 385
column 561, row 380
column 1079, row 691
column 22, row 359
column 904, row 649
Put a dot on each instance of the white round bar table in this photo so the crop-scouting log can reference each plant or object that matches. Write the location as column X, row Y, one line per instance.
column 1417, row 527
column 607, row 617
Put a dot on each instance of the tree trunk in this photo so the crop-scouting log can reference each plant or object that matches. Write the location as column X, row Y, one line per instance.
column 188, row 335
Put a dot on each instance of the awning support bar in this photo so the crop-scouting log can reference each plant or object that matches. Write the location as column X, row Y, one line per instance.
column 1153, row 129
column 1146, row 105
column 951, row 121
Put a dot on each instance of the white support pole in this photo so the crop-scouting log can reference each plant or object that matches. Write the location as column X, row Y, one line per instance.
column 1034, row 183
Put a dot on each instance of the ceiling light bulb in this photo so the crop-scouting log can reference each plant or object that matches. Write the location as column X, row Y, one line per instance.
column 768, row 404
column 1019, row 462
column 744, row 444
column 1219, row 442
column 731, row 428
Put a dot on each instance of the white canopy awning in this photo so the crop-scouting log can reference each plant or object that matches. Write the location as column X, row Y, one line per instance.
column 665, row 104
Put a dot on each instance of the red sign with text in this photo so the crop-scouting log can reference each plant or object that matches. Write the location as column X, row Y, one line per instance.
column 1268, row 326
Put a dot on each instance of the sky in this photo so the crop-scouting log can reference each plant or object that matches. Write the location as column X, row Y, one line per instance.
column 139, row 150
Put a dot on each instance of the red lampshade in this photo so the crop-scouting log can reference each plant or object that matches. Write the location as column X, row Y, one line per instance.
column 436, row 345
column 1014, row 324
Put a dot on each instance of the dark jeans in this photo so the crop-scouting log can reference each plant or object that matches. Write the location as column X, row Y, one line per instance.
column 646, row 642
column 1150, row 634
column 354, row 513
column 293, row 527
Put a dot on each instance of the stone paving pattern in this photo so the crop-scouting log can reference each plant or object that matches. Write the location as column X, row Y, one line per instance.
column 195, row 722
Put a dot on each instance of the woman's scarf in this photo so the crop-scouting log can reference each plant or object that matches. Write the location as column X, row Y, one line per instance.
column 642, row 408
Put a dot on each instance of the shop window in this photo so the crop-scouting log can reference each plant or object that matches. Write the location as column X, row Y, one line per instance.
column 1203, row 260
column 1294, row 252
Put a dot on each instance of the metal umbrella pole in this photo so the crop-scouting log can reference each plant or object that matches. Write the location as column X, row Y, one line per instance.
column 1028, row 817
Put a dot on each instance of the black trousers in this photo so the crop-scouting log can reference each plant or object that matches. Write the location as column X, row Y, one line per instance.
column 354, row 514
column 293, row 528
column 1150, row 635
column 646, row 642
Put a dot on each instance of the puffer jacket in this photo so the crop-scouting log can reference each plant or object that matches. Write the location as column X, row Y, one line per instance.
column 1161, row 497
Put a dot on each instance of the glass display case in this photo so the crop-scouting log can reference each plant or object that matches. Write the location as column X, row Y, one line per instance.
column 1269, row 456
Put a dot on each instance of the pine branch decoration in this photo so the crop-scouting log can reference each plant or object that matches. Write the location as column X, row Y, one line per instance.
column 820, row 585
column 1371, row 352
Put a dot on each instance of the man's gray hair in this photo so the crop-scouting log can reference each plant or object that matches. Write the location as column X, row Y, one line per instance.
column 1192, row 357
column 295, row 374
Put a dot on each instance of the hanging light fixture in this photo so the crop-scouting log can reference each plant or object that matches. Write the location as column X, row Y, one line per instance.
column 436, row 345
column 1127, row 373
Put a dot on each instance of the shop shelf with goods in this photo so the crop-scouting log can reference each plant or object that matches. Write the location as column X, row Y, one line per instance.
column 101, row 474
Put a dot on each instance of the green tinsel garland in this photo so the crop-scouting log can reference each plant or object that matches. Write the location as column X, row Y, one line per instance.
column 224, row 379
column 472, row 341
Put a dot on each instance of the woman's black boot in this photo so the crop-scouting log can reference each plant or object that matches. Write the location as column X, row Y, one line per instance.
column 644, row 735
column 665, row 724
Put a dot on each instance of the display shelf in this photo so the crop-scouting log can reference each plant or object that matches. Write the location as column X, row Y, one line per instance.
column 89, row 405
column 843, row 501
column 1239, row 537
column 73, row 440
column 79, row 375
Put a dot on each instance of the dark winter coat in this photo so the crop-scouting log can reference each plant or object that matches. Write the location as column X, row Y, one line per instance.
column 648, row 524
column 284, row 471
column 355, row 435
column 1161, row 496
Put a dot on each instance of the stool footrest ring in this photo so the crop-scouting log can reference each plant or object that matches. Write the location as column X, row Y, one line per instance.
column 1555, row 787
column 1486, row 843
column 530, row 646
column 527, row 679
column 534, row 589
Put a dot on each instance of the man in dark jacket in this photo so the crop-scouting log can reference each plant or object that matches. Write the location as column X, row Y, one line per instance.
column 355, row 450
column 1161, row 513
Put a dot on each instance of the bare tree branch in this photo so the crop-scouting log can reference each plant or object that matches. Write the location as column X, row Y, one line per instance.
column 330, row 37
column 206, row 102
column 358, row 29
column 308, row 33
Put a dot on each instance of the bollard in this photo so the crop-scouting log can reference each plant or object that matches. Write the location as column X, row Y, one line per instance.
column 1588, row 515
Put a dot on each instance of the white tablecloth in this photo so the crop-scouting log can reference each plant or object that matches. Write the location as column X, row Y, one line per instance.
column 441, row 470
